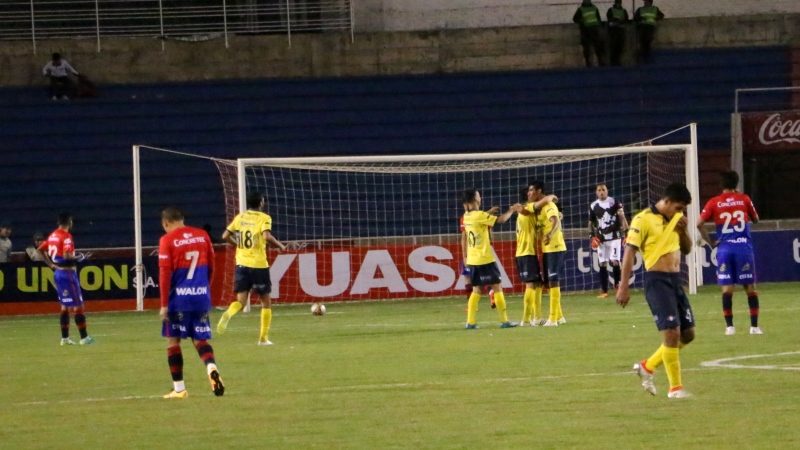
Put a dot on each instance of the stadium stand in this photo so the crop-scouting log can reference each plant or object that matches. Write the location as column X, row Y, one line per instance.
column 89, row 141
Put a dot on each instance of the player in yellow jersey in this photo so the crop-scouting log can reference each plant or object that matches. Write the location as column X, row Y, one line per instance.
column 527, row 259
column 479, row 257
column 554, row 249
column 250, row 232
column 660, row 233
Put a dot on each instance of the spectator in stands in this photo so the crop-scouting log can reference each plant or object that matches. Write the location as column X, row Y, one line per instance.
column 32, row 250
column 58, row 70
column 618, row 19
column 5, row 241
column 587, row 16
column 646, row 18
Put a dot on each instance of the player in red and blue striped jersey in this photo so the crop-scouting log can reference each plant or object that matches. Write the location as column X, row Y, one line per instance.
column 733, row 213
column 186, row 263
column 59, row 255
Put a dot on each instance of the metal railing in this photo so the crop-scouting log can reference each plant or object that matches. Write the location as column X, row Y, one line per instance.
column 35, row 20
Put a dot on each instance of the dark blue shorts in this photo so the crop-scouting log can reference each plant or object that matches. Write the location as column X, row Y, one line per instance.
column 68, row 288
column 528, row 269
column 552, row 265
column 485, row 275
column 248, row 278
column 187, row 325
column 668, row 303
column 734, row 268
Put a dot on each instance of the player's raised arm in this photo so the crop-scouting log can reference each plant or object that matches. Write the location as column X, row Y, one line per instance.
column 503, row 218
column 539, row 204
column 685, row 241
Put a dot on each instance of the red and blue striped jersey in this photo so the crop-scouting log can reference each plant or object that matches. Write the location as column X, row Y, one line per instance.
column 186, row 262
column 732, row 213
column 57, row 244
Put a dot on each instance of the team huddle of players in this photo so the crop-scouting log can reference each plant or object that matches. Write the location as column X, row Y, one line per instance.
column 538, row 233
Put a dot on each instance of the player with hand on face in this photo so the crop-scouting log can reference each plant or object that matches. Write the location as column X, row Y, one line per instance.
column 660, row 233
column 479, row 257
column 186, row 263
column 733, row 213
column 607, row 225
column 59, row 255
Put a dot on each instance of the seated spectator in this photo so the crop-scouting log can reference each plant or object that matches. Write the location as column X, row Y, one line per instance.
column 32, row 250
column 58, row 70
column 5, row 241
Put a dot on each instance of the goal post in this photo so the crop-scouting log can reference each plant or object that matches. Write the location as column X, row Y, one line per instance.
column 386, row 227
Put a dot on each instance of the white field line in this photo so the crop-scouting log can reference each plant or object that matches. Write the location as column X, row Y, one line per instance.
column 704, row 366
column 347, row 388
column 729, row 363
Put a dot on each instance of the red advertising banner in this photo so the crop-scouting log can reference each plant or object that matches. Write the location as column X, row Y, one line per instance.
column 771, row 131
column 374, row 272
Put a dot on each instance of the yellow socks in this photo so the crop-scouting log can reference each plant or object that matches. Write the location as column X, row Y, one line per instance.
column 233, row 308
column 537, row 302
column 266, row 320
column 500, row 301
column 672, row 364
column 472, row 308
column 655, row 359
column 527, row 304
column 555, row 304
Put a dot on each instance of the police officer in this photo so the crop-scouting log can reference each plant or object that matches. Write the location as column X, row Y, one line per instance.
column 617, row 17
column 587, row 17
column 646, row 18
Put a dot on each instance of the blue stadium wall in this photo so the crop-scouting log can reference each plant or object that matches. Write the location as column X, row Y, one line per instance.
column 77, row 155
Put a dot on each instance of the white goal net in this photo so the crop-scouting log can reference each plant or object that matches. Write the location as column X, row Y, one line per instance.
column 387, row 227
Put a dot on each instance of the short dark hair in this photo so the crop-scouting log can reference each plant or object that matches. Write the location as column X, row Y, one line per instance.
column 171, row 214
column 677, row 192
column 523, row 194
column 729, row 179
column 254, row 199
column 468, row 196
column 64, row 218
column 56, row 55
column 597, row 185
column 537, row 184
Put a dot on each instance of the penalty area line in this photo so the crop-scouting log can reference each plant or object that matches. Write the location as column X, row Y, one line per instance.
column 730, row 363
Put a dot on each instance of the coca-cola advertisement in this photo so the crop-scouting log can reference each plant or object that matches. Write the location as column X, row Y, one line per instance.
column 771, row 131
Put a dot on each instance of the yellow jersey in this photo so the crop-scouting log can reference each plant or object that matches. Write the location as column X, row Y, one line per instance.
column 248, row 227
column 526, row 232
column 544, row 226
column 476, row 228
column 651, row 233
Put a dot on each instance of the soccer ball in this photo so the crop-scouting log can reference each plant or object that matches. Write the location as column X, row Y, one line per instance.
column 318, row 309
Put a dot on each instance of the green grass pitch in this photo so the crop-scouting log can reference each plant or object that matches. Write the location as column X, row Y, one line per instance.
column 405, row 374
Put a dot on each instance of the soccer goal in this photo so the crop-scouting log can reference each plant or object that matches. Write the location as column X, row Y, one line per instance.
column 387, row 227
